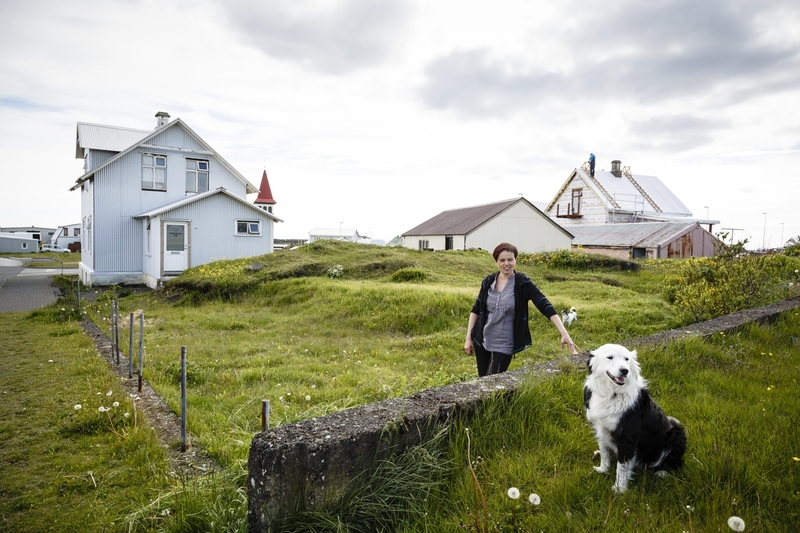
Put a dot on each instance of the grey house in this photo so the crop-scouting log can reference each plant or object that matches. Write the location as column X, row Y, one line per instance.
column 156, row 202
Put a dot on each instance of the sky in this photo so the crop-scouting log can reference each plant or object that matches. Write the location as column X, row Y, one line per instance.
column 378, row 115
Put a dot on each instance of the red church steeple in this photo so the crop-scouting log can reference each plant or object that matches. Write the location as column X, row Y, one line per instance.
column 265, row 200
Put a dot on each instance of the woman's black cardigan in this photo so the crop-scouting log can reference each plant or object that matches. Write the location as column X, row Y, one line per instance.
column 525, row 290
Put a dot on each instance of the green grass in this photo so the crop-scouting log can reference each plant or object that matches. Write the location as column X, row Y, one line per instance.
column 313, row 345
column 735, row 394
column 278, row 327
column 63, row 469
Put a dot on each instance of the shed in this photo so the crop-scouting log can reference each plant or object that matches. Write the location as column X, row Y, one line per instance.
column 646, row 240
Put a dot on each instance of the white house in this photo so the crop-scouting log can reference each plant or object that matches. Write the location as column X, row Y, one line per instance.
column 616, row 196
column 154, row 203
column 41, row 234
column 337, row 234
column 68, row 234
column 516, row 221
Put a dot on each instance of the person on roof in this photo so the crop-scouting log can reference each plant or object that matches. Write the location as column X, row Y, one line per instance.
column 591, row 165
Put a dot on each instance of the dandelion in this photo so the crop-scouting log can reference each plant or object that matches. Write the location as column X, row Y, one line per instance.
column 534, row 499
column 109, row 393
column 794, row 458
column 736, row 523
column 63, row 309
column 308, row 398
column 102, row 409
column 78, row 407
column 115, row 404
column 127, row 415
column 513, row 493
column 49, row 360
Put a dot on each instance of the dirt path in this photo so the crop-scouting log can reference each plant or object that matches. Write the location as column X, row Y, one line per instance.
column 167, row 424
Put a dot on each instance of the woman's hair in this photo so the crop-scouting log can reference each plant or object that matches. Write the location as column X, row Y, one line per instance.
column 504, row 247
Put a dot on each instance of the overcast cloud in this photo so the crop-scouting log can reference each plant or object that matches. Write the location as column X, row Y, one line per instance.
column 379, row 114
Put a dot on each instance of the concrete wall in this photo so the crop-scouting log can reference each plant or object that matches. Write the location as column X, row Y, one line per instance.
column 310, row 463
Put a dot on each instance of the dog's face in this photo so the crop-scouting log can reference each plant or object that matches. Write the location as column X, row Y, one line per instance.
column 615, row 362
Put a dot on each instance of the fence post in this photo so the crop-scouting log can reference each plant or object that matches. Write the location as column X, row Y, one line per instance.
column 183, row 398
column 141, row 347
column 264, row 415
column 116, row 328
column 130, row 350
column 111, row 328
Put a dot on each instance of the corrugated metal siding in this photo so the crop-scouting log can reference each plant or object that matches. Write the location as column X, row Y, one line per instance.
column 212, row 229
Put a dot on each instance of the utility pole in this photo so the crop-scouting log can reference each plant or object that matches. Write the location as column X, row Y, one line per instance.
column 731, row 230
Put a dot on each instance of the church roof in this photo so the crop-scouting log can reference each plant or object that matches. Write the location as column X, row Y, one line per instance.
column 265, row 193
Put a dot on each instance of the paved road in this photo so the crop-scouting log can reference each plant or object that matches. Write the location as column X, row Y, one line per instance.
column 26, row 289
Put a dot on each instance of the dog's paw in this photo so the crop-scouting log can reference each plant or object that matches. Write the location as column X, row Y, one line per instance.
column 601, row 469
column 617, row 489
column 596, row 454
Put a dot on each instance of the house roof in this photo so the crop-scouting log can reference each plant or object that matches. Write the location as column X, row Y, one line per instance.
column 629, row 192
column 108, row 138
column 467, row 219
column 201, row 196
column 97, row 132
column 630, row 235
column 265, row 193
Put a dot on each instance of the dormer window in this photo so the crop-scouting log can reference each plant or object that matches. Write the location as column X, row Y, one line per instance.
column 196, row 175
column 154, row 172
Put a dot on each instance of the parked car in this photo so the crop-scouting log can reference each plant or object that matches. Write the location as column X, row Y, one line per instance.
column 54, row 248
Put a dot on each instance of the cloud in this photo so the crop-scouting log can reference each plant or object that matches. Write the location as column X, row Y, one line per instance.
column 674, row 133
column 328, row 36
column 645, row 52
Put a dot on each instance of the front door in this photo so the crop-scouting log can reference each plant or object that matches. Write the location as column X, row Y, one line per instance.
column 176, row 239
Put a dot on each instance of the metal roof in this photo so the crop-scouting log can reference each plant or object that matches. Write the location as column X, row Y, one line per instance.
column 461, row 221
column 249, row 187
column 636, row 235
column 108, row 138
column 200, row 196
column 657, row 198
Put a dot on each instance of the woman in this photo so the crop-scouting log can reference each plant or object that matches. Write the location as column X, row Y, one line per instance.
column 498, row 323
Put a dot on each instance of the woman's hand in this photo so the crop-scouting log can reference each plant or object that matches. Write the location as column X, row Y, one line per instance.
column 469, row 346
column 566, row 340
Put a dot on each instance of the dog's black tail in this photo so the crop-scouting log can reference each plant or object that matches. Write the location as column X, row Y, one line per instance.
column 674, row 446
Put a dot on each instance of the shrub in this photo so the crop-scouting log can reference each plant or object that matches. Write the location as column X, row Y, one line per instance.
column 408, row 274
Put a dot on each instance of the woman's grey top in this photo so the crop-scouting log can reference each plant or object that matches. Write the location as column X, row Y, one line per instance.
column 498, row 333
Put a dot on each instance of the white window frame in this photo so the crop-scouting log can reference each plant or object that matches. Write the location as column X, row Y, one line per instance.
column 194, row 171
column 24, row 245
column 154, row 167
column 87, row 234
column 423, row 244
column 252, row 228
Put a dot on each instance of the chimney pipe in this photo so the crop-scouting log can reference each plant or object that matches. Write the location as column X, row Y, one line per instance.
column 162, row 119
column 616, row 168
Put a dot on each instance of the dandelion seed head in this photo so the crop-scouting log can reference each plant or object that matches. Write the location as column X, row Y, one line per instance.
column 308, row 398
column 127, row 415
column 534, row 499
column 736, row 523
column 513, row 493
column 78, row 407
column 115, row 404
column 109, row 393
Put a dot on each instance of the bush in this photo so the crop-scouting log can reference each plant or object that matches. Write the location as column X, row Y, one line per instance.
column 408, row 274
column 708, row 287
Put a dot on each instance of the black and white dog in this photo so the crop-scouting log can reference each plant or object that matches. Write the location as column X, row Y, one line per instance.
column 627, row 423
